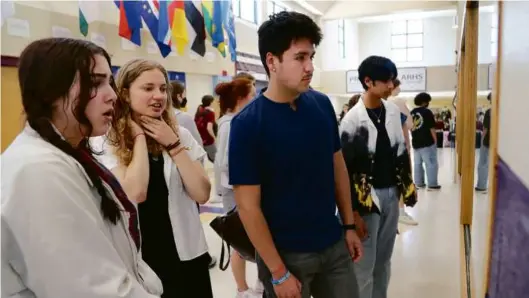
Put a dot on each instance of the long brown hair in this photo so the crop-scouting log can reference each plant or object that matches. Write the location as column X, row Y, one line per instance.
column 46, row 72
column 120, row 135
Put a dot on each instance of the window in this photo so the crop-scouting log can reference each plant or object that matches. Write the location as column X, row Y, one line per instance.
column 245, row 9
column 494, row 35
column 275, row 7
column 341, row 37
column 407, row 40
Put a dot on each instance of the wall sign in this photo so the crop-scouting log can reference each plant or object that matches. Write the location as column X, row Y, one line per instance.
column 411, row 79
column 177, row 76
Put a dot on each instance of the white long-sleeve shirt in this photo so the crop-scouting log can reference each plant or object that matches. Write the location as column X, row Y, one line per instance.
column 55, row 242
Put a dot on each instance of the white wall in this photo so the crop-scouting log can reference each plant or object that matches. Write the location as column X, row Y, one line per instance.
column 374, row 38
column 330, row 52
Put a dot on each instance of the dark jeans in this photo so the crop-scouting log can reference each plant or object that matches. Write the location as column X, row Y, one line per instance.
column 327, row 274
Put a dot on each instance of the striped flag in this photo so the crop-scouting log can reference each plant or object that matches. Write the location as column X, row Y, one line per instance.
column 196, row 20
column 89, row 11
column 179, row 27
column 150, row 15
column 207, row 12
column 217, row 37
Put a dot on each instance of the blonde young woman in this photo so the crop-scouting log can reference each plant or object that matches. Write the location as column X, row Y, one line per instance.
column 233, row 96
column 159, row 165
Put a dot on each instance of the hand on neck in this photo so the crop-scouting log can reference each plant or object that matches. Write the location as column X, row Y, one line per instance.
column 372, row 101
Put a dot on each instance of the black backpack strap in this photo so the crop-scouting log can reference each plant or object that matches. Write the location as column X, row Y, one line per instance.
column 222, row 255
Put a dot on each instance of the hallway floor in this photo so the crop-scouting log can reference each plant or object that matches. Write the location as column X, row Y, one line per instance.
column 426, row 261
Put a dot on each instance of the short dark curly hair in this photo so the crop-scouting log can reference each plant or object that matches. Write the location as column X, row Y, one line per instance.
column 281, row 29
column 422, row 98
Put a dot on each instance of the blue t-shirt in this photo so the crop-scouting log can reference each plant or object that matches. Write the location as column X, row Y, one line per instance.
column 289, row 153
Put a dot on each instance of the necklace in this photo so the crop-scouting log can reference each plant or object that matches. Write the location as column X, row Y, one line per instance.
column 379, row 114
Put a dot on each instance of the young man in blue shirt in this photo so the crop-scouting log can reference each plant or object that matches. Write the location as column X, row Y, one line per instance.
column 289, row 174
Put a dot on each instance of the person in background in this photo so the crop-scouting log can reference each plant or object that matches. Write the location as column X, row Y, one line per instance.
column 205, row 120
column 353, row 100
column 345, row 109
column 483, row 162
column 68, row 229
column 424, row 143
column 160, row 166
column 178, row 96
column 233, row 96
column 288, row 173
column 407, row 125
column 245, row 75
column 379, row 169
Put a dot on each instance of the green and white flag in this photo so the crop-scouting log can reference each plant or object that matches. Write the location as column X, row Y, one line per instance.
column 88, row 12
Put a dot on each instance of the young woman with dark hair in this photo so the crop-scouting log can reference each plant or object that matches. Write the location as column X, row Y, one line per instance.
column 178, row 96
column 233, row 96
column 68, row 229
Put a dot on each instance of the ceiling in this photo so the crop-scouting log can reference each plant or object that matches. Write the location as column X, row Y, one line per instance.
column 337, row 9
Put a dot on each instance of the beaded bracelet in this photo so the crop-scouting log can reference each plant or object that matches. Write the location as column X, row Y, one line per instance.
column 281, row 280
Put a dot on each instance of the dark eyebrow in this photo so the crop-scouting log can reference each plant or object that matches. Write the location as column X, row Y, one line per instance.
column 305, row 53
column 99, row 75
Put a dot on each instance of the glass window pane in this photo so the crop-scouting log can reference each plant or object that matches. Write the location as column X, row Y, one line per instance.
column 494, row 20
column 248, row 10
column 341, row 46
column 398, row 55
column 415, row 54
column 398, row 27
column 415, row 26
column 494, row 35
column 278, row 8
column 398, row 41
column 415, row 40
column 493, row 49
column 236, row 11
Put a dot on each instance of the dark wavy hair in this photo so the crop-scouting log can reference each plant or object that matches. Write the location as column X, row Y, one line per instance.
column 281, row 29
column 47, row 70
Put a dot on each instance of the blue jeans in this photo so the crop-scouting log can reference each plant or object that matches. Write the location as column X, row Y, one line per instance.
column 483, row 167
column 428, row 156
column 374, row 269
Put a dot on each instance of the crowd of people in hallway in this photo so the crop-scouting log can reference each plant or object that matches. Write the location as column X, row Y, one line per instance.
column 101, row 189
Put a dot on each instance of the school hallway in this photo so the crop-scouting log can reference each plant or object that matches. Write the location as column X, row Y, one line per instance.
column 426, row 260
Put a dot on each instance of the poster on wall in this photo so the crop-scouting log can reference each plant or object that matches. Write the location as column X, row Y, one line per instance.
column 177, row 76
column 509, row 262
column 412, row 79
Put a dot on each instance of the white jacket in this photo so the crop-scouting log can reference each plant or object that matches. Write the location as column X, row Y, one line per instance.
column 55, row 242
column 189, row 235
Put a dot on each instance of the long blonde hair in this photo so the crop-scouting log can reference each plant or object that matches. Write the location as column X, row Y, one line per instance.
column 120, row 135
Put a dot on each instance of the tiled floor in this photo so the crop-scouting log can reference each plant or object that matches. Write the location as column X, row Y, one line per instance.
column 426, row 260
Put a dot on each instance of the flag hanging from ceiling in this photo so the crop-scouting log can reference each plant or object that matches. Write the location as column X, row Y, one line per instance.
column 129, row 20
column 149, row 13
column 197, row 23
column 179, row 26
column 88, row 12
column 164, row 27
column 217, row 36
column 207, row 13
column 229, row 26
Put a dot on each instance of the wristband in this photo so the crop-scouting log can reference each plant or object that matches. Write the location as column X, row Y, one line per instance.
column 349, row 227
column 141, row 133
column 172, row 146
column 277, row 282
